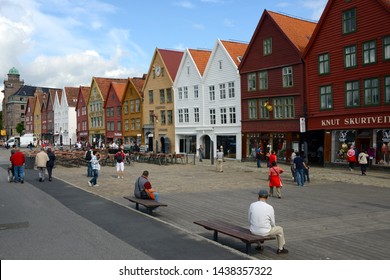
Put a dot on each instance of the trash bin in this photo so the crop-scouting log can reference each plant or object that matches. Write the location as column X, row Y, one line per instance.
column 29, row 162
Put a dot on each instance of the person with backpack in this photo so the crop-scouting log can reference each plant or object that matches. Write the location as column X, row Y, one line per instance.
column 120, row 164
column 88, row 158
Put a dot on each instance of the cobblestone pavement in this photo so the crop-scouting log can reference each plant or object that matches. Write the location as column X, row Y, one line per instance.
column 314, row 217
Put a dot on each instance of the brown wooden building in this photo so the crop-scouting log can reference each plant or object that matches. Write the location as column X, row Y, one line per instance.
column 273, row 85
column 348, row 78
column 82, row 114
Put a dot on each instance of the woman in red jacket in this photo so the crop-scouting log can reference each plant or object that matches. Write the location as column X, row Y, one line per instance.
column 274, row 179
column 17, row 160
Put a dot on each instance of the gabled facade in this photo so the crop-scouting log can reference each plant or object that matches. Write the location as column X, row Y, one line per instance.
column 96, row 116
column 58, row 129
column 50, row 115
column 29, row 115
column 158, row 109
column 37, row 114
column 189, row 103
column 113, row 113
column 273, row 85
column 67, row 116
column 82, row 114
column 222, row 111
column 132, row 112
column 44, row 136
column 348, row 79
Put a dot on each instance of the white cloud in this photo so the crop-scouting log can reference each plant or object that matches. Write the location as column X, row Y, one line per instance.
column 185, row 4
column 283, row 4
column 316, row 6
column 228, row 23
column 198, row 26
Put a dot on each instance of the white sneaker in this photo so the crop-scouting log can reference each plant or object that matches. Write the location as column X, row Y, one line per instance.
column 119, row 177
column 89, row 184
column 96, row 185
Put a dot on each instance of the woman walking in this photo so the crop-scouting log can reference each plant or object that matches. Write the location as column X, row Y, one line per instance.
column 50, row 163
column 274, row 179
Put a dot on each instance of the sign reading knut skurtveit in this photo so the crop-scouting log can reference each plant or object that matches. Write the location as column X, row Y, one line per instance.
column 345, row 122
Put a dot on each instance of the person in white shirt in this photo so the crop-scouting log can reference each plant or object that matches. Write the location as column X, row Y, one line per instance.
column 261, row 217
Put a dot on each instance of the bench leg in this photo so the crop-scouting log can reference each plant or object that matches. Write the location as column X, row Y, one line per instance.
column 248, row 248
column 136, row 206
column 215, row 235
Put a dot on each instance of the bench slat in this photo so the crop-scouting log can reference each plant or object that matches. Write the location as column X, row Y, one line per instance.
column 148, row 203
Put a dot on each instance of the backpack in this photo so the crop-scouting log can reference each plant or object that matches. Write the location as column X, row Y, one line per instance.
column 119, row 157
column 88, row 156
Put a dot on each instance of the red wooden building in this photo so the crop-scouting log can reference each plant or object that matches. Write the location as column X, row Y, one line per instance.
column 82, row 114
column 272, row 73
column 29, row 115
column 348, row 78
column 113, row 113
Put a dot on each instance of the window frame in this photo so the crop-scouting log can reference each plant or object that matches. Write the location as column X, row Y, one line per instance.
column 349, row 21
column 252, row 109
column 371, row 88
column 251, row 79
column 213, row 119
column 324, row 64
column 263, row 80
column 370, row 51
column 287, row 77
column 212, row 93
column 267, row 46
column 386, row 48
column 386, row 89
column 350, row 57
column 325, row 94
column 354, row 92
column 283, row 108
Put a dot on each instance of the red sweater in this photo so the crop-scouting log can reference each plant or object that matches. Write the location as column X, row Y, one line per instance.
column 17, row 159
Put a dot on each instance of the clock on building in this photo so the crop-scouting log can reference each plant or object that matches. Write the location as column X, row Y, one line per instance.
column 157, row 70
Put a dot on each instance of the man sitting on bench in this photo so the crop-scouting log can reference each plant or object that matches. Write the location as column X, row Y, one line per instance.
column 143, row 188
column 261, row 218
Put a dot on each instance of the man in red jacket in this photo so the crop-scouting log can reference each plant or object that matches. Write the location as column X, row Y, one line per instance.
column 17, row 160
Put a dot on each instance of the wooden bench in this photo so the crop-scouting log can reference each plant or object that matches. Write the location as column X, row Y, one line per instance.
column 149, row 204
column 234, row 231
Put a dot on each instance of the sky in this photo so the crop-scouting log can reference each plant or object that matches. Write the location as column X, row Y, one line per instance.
column 58, row 43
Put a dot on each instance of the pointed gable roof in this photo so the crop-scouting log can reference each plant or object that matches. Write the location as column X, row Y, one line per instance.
column 30, row 103
column 236, row 50
column 138, row 83
column 171, row 61
column 201, row 58
column 298, row 31
column 104, row 84
column 83, row 93
column 71, row 95
column 119, row 89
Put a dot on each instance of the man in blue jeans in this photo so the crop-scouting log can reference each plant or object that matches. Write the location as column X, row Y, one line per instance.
column 299, row 166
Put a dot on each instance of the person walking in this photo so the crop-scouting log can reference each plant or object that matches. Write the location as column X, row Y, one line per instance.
column 363, row 162
column 274, row 179
column 219, row 160
column 120, row 164
column 201, row 150
column 351, row 158
column 293, row 156
column 143, row 188
column 17, row 161
column 261, row 217
column 50, row 163
column 272, row 158
column 41, row 160
column 88, row 158
column 95, row 169
column 299, row 165
column 258, row 156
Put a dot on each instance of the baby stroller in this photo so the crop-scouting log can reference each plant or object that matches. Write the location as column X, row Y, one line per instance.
column 10, row 174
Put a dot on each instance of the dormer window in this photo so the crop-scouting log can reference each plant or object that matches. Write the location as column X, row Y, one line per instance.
column 267, row 46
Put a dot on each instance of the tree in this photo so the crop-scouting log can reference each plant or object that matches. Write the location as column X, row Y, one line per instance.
column 20, row 128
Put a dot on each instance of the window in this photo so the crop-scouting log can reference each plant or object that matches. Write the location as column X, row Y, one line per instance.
column 350, row 58
column 126, row 107
column 212, row 116
column 251, row 81
column 138, row 124
column 352, row 94
column 170, row 119
column 196, row 115
column 326, row 97
column 267, row 46
column 186, row 115
column 323, row 64
column 169, row 95
column 369, row 52
column 126, row 125
column 180, row 93
column 371, row 91
column 132, row 124
column 222, row 91
column 231, row 90
column 163, row 117
column 162, row 96
column 220, row 64
column 349, row 21
column 287, row 77
column 232, row 115
column 212, row 93
column 387, row 89
column 252, row 108
column 386, row 48
column 151, row 117
column 196, row 92
column 132, row 106
column 180, row 111
column 264, row 113
column 151, row 97
column 284, row 108
column 119, row 126
column 185, row 92
column 263, row 80
column 223, row 116
column 119, row 111
column 137, row 105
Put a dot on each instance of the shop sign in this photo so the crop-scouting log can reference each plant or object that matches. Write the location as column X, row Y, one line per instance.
column 354, row 121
